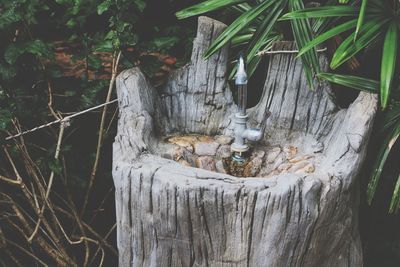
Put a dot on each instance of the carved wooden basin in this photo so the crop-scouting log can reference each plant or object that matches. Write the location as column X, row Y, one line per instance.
column 169, row 214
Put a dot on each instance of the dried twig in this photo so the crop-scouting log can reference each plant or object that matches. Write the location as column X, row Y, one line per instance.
column 63, row 125
column 101, row 129
column 26, row 252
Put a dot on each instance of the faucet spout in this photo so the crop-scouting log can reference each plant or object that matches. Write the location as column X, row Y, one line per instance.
column 253, row 134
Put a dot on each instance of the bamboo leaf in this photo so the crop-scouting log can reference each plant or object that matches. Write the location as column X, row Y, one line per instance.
column 322, row 12
column 381, row 160
column 371, row 31
column 392, row 116
column 240, row 23
column 361, row 17
column 205, row 7
column 264, row 30
column 267, row 44
column 303, row 34
column 327, row 35
column 388, row 62
column 395, row 202
column 354, row 82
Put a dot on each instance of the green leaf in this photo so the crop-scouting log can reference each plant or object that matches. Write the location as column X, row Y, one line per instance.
column 391, row 116
column 13, row 51
column 140, row 5
column 361, row 17
column 395, row 202
column 163, row 43
column 388, row 62
column 327, row 35
column 94, row 62
column 103, row 7
column 205, row 7
column 322, row 12
column 241, row 39
column 371, row 31
column 239, row 24
column 104, row 46
column 38, row 48
column 354, row 82
column 303, row 34
column 381, row 160
column 262, row 35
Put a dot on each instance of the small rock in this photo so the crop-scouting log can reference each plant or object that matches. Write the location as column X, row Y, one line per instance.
column 279, row 160
column 273, row 154
column 206, row 163
column 182, row 153
column 219, row 165
column 253, row 167
column 223, row 139
column 300, row 158
column 299, row 165
column 206, row 149
column 205, row 138
column 290, row 151
column 184, row 141
column 224, row 151
column 259, row 154
column 309, row 168
column 284, row 167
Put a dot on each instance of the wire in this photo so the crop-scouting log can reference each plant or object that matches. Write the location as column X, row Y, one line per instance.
column 63, row 120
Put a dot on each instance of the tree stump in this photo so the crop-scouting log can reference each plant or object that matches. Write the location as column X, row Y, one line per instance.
column 174, row 215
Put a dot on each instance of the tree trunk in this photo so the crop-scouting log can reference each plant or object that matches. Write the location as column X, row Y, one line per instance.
column 173, row 215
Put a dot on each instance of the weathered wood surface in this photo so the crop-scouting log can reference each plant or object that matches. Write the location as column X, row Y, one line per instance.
column 172, row 215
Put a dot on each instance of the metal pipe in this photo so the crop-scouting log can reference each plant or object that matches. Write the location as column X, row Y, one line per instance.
column 242, row 133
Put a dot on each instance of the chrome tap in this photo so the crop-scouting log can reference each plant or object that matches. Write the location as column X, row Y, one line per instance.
column 242, row 133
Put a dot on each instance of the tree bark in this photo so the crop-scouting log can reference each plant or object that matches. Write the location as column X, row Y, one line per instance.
column 173, row 215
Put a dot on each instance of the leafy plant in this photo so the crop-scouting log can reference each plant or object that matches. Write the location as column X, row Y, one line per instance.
column 257, row 27
column 56, row 58
column 382, row 24
column 376, row 22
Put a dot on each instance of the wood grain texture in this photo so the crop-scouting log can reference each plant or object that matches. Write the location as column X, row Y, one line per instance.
column 173, row 215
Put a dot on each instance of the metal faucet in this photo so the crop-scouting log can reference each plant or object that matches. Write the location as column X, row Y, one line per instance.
column 242, row 133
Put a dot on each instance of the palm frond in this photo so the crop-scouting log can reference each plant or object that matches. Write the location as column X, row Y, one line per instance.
column 329, row 34
column 371, row 31
column 354, row 82
column 303, row 34
column 361, row 16
column 205, row 7
column 381, row 160
column 388, row 65
column 322, row 12
column 235, row 27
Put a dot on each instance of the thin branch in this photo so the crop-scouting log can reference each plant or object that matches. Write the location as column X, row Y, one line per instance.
column 105, row 238
column 63, row 125
column 10, row 181
column 101, row 131
column 26, row 252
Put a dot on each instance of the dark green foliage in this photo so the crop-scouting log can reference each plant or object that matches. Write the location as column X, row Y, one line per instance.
column 58, row 53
